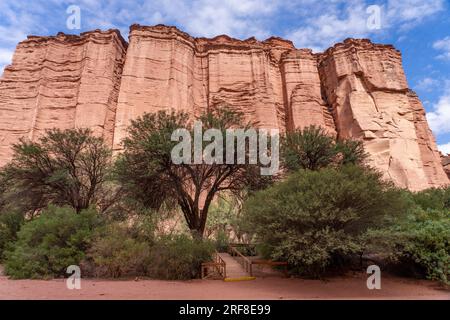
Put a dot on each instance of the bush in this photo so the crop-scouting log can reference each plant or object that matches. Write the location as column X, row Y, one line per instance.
column 222, row 241
column 47, row 245
column 435, row 199
column 179, row 257
column 114, row 253
column 130, row 251
column 420, row 243
column 10, row 223
column 315, row 219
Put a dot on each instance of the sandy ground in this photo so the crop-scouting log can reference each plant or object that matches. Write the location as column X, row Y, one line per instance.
column 349, row 287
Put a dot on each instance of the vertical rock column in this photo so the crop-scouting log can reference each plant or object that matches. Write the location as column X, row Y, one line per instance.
column 60, row 82
column 303, row 92
column 366, row 87
column 159, row 74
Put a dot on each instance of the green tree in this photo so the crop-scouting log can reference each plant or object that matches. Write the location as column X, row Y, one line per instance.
column 314, row 220
column 147, row 172
column 313, row 148
column 65, row 167
column 351, row 152
column 310, row 148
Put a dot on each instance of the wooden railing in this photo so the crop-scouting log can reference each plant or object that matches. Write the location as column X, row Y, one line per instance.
column 248, row 264
column 243, row 260
column 218, row 265
column 271, row 263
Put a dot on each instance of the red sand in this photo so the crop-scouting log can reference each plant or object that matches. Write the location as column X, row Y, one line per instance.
column 349, row 287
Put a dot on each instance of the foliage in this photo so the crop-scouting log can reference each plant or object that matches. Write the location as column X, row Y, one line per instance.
column 67, row 167
column 3, row 188
column 420, row 242
column 351, row 152
column 116, row 253
column 131, row 250
column 310, row 148
column 314, row 220
column 313, row 148
column 147, row 172
column 435, row 199
column 10, row 224
column 179, row 257
column 222, row 241
column 50, row 243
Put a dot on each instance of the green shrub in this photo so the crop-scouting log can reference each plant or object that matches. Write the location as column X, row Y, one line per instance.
column 120, row 250
column 314, row 220
column 47, row 245
column 179, row 257
column 420, row 242
column 10, row 224
column 222, row 241
column 115, row 253
column 436, row 199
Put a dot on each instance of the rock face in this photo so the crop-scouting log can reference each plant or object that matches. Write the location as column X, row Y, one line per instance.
column 61, row 82
column 446, row 164
column 355, row 89
column 274, row 84
column 367, row 90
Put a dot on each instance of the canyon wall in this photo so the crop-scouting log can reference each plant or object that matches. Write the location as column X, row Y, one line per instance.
column 446, row 164
column 274, row 84
column 366, row 88
column 61, row 82
column 355, row 89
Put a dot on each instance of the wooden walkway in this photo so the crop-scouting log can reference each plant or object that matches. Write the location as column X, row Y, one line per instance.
column 234, row 269
column 235, row 266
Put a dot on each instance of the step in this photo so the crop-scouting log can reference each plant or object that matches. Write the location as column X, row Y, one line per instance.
column 248, row 278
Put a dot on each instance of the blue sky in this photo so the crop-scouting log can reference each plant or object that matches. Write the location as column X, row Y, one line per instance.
column 420, row 29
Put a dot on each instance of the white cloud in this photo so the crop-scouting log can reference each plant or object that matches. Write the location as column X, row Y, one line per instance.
column 427, row 84
column 336, row 20
column 408, row 13
column 5, row 55
column 439, row 117
column 319, row 24
column 322, row 31
column 444, row 148
column 443, row 45
column 5, row 59
column 237, row 18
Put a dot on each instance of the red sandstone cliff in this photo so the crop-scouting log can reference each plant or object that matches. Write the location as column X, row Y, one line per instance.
column 446, row 164
column 62, row 81
column 355, row 89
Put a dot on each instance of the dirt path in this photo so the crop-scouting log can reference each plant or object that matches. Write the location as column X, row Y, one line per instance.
column 350, row 287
